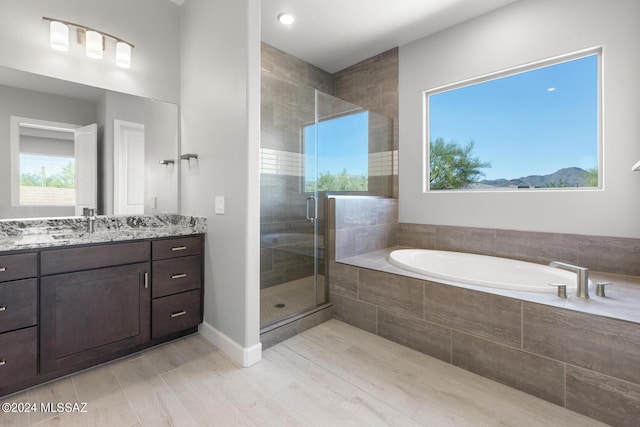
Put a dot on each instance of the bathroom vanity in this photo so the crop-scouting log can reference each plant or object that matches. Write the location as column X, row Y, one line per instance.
column 66, row 308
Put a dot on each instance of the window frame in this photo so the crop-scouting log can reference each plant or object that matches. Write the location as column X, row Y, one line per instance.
column 15, row 123
column 555, row 60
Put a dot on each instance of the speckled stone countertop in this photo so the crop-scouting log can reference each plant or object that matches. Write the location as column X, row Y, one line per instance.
column 622, row 300
column 51, row 232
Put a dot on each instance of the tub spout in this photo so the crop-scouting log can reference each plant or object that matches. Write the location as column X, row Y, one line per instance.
column 583, row 277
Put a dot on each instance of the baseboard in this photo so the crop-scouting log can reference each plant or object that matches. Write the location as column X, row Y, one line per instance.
column 243, row 356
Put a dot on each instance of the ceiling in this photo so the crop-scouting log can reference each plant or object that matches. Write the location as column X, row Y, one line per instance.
column 334, row 34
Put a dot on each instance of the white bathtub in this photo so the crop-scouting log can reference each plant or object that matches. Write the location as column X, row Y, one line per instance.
column 483, row 270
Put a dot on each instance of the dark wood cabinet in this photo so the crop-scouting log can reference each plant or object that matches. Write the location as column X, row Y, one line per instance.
column 178, row 276
column 18, row 355
column 88, row 314
column 68, row 308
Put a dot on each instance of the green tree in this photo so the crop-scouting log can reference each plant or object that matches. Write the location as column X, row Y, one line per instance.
column 453, row 166
column 590, row 177
column 66, row 178
column 342, row 182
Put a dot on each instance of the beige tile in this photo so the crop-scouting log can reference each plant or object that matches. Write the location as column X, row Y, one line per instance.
column 393, row 292
column 72, row 419
column 479, row 313
column 604, row 398
column 193, row 347
column 165, row 357
column 343, row 279
column 611, row 254
column 354, row 312
column 107, row 405
column 417, row 235
column 259, row 404
column 533, row 374
column 195, row 384
column 428, row 338
column 15, row 419
column 581, row 339
column 151, row 399
column 537, row 247
column 466, row 239
column 59, row 391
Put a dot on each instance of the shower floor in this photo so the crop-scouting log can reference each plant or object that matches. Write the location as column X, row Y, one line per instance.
column 286, row 299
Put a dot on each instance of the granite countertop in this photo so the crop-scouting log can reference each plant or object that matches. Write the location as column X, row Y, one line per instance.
column 52, row 232
column 621, row 302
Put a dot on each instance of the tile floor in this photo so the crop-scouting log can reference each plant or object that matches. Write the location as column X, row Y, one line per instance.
column 330, row 375
column 283, row 300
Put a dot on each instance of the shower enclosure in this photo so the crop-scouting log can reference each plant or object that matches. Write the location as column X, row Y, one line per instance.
column 312, row 145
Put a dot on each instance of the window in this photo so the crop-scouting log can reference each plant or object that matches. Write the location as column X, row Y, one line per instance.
column 532, row 127
column 43, row 163
column 341, row 146
column 47, row 180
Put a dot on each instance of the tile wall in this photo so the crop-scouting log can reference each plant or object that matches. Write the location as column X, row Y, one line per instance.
column 587, row 363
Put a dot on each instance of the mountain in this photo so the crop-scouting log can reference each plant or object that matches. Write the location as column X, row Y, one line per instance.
column 566, row 177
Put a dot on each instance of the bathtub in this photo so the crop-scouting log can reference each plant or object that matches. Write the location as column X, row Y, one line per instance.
column 481, row 270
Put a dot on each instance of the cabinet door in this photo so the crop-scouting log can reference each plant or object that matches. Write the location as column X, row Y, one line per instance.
column 93, row 314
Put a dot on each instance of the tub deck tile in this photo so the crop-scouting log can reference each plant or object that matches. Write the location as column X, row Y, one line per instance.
column 490, row 316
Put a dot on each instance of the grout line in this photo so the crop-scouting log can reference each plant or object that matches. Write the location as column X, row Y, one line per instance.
column 125, row 393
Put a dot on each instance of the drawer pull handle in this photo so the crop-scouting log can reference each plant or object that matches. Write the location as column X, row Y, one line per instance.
column 3, row 269
column 178, row 314
column 3, row 308
column 3, row 362
column 179, row 248
column 178, row 276
column 146, row 280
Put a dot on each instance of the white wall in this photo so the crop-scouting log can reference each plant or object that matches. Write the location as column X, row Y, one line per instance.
column 220, row 108
column 151, row 25
column 523, row 32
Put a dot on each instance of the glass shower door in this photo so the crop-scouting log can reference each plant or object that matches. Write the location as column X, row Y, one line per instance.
column 290, row 209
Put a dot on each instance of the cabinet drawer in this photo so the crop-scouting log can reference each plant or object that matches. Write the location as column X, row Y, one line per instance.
column 171, row 276
column 171, row 248
column 21, row 266
column 175, row 313
column 18, row 355
column 18, row 304
column 83, row 258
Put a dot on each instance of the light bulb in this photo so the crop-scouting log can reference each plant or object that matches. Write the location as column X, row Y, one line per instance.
column 123, row 55
column 286, row 18
column 59, row 36
column 94, row 44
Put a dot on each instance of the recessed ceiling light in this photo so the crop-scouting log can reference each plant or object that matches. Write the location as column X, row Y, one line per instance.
column 286, row 18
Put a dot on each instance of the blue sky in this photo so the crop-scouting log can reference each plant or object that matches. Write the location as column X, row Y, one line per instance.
column 531, row 123
column 343, row 142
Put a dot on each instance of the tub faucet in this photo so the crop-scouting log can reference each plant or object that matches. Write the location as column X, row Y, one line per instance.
column 583, row 277
column 90, row 215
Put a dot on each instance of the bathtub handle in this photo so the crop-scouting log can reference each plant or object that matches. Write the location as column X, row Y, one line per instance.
column 562, row 289
column 311, row 217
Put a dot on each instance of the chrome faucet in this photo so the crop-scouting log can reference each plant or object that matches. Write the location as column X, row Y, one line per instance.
column 90, row 214
column 583, row 277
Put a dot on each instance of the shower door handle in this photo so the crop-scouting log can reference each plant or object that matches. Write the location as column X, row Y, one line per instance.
column 311, row 217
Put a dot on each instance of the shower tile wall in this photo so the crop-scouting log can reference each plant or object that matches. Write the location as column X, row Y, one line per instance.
column 373, row 84
column 287, row 102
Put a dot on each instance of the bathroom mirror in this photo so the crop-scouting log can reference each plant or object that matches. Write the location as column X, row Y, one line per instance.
column 68, row 145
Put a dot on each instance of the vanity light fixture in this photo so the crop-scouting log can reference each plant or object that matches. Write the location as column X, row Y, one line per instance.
column 93, row 40
column 286, row 18
column 93, row 44
column 59, row 36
